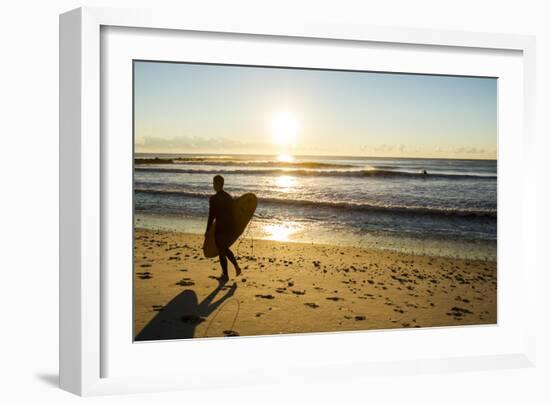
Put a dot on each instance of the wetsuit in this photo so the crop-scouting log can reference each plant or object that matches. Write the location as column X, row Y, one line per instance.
column 221, row 210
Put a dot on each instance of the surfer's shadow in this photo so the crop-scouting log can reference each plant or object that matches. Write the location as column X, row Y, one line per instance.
column 180, row 317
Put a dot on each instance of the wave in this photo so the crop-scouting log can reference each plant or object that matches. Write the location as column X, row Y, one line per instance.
column 209, row 161
column 356, row 173
column 350, row 206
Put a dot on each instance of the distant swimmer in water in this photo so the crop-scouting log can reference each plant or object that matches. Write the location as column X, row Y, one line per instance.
column 424, row 172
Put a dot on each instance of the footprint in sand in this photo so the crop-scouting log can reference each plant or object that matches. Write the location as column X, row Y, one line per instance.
column 458, row 313
column 144, row 275
column 265, row 296
column 312, row 305
column 192, row 319
column 466, row 301
column 185, row 282
column 230, row 333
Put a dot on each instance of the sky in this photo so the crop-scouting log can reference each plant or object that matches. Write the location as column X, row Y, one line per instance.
column 220, row 109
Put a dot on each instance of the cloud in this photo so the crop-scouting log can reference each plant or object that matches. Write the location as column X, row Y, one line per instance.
column 189, row 144
column 469, row 150
column 384, row 148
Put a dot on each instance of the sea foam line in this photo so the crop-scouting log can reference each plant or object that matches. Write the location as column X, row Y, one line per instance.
column 398, row 209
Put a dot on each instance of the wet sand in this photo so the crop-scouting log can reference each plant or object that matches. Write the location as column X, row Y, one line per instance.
column 295, row 288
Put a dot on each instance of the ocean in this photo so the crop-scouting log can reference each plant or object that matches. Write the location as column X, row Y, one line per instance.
column 424, row 206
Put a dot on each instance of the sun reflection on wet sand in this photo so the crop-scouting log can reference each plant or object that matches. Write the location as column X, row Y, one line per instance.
column 278, row 232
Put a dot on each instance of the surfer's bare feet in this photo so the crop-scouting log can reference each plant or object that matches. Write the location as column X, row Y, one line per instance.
column 238, row 271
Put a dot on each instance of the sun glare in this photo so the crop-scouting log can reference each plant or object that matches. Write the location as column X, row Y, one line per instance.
column 285, row 183
column 284, row 128
column 285, row 158
column 279, row 232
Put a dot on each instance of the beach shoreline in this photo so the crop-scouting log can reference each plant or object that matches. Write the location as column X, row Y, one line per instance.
column 259, row 229
column 293, row 287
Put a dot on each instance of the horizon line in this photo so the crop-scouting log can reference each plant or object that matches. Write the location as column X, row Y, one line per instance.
column 315, row 155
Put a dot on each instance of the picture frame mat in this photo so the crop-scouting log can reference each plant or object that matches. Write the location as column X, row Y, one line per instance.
column 88, row 381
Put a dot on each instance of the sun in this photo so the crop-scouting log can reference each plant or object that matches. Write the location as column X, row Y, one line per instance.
column 284, row 128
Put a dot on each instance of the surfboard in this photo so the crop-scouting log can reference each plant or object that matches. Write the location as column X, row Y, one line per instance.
column 243, row 210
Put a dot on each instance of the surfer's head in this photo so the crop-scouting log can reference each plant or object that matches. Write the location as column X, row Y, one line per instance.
column 218, row 183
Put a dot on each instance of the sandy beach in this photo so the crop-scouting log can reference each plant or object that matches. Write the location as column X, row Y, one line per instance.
column 289, row 287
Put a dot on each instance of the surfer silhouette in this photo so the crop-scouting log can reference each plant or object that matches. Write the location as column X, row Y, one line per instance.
column 221, row 210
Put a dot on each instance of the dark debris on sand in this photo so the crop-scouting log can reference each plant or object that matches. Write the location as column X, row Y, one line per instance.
column 186, row 282
column 192, row 319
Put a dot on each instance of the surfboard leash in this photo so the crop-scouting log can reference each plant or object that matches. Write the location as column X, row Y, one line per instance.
column 248, row 229
column 221, row 309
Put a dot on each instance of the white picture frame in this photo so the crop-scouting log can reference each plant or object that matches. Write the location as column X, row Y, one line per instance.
column 85, row 155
